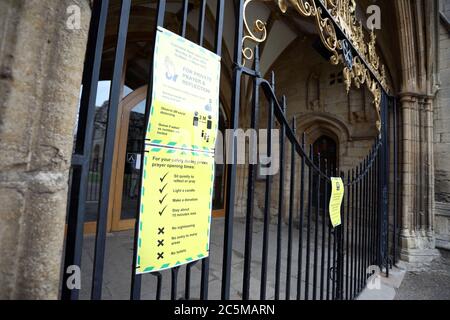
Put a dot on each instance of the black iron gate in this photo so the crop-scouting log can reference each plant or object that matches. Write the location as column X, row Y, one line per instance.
column 331, row 263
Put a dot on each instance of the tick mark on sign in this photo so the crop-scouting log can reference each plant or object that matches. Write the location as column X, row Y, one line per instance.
column 163, row 178
column 162, row 200
column 161, row 212
column 162, row 190
column 160, row 243
column 160, row 231
column 160, row 255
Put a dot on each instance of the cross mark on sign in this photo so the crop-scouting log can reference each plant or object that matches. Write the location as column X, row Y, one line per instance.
column 160, row 255
column 160, row 231
column 160, row 243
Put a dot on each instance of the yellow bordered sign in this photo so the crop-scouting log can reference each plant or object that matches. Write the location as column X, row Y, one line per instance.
column 178, row 175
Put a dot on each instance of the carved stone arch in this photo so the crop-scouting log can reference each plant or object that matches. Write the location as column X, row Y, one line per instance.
column 316, row 125
column 309, row 123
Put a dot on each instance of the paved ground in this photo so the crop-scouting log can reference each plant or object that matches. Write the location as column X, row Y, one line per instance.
column 430, row 284
column 117, row 273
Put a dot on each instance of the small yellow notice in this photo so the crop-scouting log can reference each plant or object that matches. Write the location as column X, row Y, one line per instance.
column 337, row 195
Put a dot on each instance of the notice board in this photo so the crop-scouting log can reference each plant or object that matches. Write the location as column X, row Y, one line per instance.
column 178, row 174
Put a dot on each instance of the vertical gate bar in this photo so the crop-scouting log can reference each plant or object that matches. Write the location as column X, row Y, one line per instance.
column 158, row 285
column 316, row 232
column 201, row 23
column 308, row 227
column 334, row 274
column 231, row 170
column 300, row 227
column 353, row 237
column 366, row 224
column 369, row 209
column 185, row 17
column 387, row 177
column 374, row 201
column 204, row 289
column 270, row 125
column 291, row 212
column 377, row 208
column 340, row 254
column 79, row 187
column 356, row 243
column 394, row 138
column 136, row 280
column 333, row 268
column 371, row 188
column 329, row 265
column 100, row 240
column 380, row 207
column 380, row 196
column 372, row 206
column 251, row 186
column 324, row 221
column 347, row 241
column 358, row 229
column 187, row 283
column 361, row 230
column 384, row 185
column 279, row 221
column 174, row 288
column 219, row 26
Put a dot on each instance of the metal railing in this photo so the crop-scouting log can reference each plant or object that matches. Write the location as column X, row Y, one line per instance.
column 331, row 262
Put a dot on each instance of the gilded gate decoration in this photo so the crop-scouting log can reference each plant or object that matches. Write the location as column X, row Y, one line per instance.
column 366, row 67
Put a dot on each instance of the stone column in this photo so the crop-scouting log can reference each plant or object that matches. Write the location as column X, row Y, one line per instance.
column 417, row 235
column 41, row 64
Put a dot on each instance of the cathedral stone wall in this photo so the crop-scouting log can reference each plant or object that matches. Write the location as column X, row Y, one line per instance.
column 442, row 132
column 41, row 64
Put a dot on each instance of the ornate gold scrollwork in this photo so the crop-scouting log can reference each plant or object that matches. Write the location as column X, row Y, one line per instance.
column 258, row 27
column 343, row 13
column 308, row 8
column 359, row 75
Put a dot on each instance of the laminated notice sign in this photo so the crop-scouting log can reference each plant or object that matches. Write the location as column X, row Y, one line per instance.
column 337, row 196
column 178, row 173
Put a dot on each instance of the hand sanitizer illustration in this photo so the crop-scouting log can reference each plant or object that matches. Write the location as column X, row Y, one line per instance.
column 196, row 119
column 209, row 123
column 170, row 70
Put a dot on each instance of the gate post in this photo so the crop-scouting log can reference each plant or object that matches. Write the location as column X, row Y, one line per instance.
column 231, row 167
